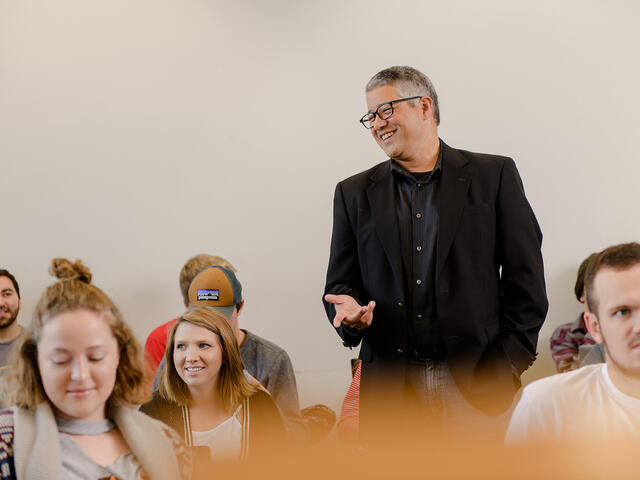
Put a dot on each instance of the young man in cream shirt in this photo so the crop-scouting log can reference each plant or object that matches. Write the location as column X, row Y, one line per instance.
column 601, row 400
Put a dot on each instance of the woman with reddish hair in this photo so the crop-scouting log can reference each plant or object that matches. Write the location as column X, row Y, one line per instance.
column 75, row 382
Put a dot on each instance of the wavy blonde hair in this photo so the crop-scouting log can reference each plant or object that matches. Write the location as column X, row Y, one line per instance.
column 74, row 291
column 232, row 386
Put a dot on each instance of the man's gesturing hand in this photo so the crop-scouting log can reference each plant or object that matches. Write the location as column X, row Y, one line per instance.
column 349, row 312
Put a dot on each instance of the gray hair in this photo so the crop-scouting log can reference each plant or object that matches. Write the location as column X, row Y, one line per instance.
column 409, row 82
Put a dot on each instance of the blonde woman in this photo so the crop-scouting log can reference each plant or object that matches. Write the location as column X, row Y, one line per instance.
column 75, row 380
column 204, row 395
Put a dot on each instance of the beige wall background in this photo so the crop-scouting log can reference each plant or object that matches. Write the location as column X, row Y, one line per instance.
column 134, row 134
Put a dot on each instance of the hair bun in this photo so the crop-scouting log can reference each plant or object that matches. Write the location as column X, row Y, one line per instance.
column 63, row 269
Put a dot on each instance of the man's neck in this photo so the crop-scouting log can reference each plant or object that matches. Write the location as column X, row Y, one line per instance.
column 240, row 336
column 627, row 384
column 424, row 160
column 10, row 333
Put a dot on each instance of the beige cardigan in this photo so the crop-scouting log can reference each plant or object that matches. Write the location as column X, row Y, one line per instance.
column 36, row 446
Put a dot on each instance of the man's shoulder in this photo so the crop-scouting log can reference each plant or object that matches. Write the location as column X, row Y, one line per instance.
column 160, row 332
column 482, row 160
column 564, row 385
column 557, row 406
column 360, row 180
column 261, row 345
column 562, row 331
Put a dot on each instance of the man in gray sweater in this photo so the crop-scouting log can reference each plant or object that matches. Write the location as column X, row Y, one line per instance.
column 264, row 360
column 10, row 331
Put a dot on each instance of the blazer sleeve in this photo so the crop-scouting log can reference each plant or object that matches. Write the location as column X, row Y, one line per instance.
column 343, row 273
column 523, row 299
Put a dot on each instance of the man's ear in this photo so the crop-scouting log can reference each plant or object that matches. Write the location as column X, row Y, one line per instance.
column 427, row 106
column 239, row 306
column 593, row 326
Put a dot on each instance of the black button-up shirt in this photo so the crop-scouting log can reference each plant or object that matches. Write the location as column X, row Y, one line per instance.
column 417, row 202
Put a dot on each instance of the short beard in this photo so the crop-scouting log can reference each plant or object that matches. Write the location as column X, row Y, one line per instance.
column 11, row 321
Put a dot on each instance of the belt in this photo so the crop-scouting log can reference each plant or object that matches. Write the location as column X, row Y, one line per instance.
column 424, row 355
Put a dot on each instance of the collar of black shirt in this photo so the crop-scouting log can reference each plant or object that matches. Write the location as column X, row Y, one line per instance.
column 422, row 177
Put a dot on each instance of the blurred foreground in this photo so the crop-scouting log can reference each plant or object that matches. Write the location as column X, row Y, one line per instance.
column 433, row 454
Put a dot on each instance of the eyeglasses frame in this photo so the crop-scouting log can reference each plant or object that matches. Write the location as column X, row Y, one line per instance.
column 377, row 111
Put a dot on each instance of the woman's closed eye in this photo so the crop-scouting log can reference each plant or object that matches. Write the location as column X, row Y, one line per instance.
column 60, row 360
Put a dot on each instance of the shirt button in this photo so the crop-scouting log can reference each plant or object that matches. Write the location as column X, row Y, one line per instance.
column 400, row 304
column 418, row 215
column 418, row 281
column 419, row 185
column 419, row 317
column 419, row 248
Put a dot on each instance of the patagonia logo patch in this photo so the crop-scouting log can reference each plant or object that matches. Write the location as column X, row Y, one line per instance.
column 208, row 294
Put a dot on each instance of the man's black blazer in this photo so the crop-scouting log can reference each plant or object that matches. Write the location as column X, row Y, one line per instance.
column 489, row 285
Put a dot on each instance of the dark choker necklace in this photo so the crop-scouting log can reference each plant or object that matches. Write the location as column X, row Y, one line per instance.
column 80, row 427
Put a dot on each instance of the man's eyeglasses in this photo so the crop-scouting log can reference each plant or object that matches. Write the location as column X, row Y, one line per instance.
column 383, row 112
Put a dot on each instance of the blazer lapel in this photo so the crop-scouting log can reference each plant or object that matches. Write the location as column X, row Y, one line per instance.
column 453, row 193
column 381, row 196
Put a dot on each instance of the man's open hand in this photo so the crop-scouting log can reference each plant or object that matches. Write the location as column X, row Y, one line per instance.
column 349, row 312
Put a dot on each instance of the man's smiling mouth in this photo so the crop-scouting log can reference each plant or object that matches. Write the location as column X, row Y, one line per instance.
column 386, row 135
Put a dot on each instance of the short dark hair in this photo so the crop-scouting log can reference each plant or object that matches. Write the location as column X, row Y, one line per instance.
column 617, row 257
column 578, row 289
column 5, row 273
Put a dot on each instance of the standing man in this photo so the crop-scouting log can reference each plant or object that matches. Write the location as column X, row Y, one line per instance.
column 10, row 304
column 435, row 265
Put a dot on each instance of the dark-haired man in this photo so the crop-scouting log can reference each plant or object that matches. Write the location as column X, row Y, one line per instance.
column 608, row 394
column 571, row 342
column 435, row 264
column 10, row 304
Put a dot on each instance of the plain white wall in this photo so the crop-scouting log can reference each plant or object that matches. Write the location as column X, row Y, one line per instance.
column 134, row 134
